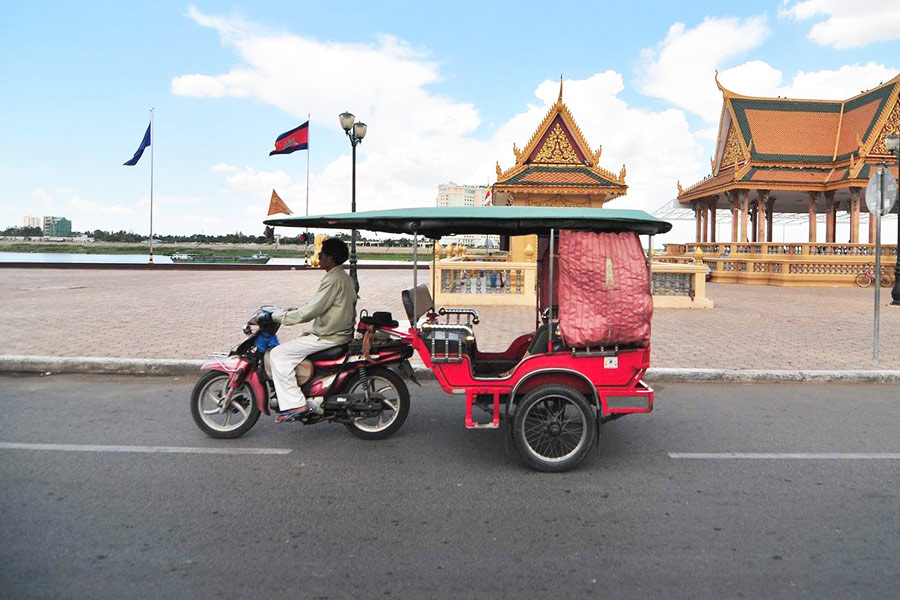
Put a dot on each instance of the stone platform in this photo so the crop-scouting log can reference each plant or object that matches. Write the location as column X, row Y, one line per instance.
column 184, row 315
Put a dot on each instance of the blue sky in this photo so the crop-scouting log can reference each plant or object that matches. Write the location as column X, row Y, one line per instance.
column 445, row 88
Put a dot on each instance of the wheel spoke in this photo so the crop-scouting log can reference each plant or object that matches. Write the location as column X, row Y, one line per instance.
column 240, row 407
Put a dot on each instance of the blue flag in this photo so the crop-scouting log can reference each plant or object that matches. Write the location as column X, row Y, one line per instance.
column 140, row 151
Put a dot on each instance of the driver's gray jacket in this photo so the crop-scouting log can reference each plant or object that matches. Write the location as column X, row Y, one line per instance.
column 333, row 307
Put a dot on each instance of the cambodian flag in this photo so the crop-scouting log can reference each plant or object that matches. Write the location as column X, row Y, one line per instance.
column 293, row 140
column 140, row 151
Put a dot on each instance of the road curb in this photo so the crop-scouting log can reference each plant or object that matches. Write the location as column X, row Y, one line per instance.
column 166, row 366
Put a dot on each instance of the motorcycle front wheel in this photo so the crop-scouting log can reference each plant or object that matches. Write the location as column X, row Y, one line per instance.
column 206, row 407
column 395, row 404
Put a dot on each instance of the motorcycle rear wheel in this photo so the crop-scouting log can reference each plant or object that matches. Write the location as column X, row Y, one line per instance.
column 236, row 420
column 396, row 404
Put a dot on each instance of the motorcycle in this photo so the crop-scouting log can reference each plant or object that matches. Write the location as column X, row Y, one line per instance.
column 352, row 384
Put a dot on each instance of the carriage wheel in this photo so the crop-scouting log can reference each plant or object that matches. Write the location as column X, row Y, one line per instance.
column 553, row 428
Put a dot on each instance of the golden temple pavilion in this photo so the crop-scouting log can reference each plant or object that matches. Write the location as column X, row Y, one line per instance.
column 557, row 167
column 782, row 155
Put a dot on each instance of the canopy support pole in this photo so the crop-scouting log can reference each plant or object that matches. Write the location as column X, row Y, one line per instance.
column 415, row 277
column 550, row 318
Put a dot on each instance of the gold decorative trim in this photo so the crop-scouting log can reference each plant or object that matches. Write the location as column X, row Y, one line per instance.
column 890, row 124
column 556, row 149
column 569, row 190
column 733, row 152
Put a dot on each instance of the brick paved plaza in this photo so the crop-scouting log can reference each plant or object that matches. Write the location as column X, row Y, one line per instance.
column 182, row 314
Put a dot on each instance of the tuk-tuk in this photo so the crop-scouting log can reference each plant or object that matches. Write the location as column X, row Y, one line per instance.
column 583, row 363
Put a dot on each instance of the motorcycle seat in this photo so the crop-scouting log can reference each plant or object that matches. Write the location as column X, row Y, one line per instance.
column 329, row 353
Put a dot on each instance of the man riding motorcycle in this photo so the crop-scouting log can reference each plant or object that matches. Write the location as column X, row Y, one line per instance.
column 334, row 309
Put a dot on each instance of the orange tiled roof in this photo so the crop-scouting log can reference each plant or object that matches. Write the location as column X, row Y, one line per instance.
column 788, row 175
column 548, row 175
column 827, row 137
column 783, row 132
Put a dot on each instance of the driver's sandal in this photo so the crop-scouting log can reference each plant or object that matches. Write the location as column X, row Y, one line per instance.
column 294, row 413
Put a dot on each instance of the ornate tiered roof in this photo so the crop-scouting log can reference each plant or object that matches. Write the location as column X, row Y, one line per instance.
column 558, row 160
column 810, row 145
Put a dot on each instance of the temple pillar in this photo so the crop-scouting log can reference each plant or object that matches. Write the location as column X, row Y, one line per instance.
column 762, row 197
column 713, row 205
column 854, row 215
column 697, row 218
column 735, row 218
column 704, row 207
column 770, row 213
column 830, row 220
column 745, row 210
column 754, row 216
column 812, row 216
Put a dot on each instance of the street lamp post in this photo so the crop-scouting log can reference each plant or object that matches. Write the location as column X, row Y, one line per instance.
column 893, row 145
column 356, row 132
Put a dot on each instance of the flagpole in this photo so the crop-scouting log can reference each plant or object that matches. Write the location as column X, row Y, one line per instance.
column 306, row 251
column 152, row 146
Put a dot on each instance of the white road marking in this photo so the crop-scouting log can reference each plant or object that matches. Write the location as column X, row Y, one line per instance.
column 141, row 449
column 787, row 456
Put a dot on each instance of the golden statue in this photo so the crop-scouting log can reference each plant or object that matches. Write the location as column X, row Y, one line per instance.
column 314, row 261
column 437, row 250
column 529, row 253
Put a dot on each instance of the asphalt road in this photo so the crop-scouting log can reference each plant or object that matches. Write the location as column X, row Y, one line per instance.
column 441, row 512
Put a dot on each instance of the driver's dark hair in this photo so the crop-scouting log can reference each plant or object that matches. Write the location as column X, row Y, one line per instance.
column 336, row 249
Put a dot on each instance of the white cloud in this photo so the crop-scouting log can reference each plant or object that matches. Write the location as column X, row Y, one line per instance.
column 681, row 67
column 202, row 86
column 757, row 78
column 846, row 24
column 224, row 168
column 418, row 139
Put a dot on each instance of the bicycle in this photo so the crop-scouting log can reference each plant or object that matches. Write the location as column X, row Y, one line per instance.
column 867, row 277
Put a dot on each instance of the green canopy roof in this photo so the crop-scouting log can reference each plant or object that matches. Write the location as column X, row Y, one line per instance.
column 435, row 222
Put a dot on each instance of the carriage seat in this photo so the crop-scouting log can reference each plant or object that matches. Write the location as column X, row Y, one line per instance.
column 538, row 343
column 329, row 353
column 423, row 302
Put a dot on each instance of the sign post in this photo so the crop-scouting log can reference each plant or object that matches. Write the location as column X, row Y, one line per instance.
column 880, row 193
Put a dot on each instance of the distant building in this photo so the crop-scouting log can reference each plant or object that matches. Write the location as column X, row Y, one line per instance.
column 451, row 194
column 32, row 222
column 57, row 227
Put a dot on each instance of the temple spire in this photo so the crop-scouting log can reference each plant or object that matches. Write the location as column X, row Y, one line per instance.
column 559, row 100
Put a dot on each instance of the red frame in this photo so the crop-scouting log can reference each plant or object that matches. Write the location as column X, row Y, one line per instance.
column 589, row 374
column 319, row 385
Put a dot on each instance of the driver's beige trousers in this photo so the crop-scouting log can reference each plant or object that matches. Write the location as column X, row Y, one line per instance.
column 283, row 359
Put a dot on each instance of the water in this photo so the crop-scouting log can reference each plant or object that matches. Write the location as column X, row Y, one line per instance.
column 64, row 257
column 143, row 259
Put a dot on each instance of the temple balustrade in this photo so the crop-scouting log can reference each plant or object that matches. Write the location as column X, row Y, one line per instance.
column 784, row 264
column 459, row 281
column 792, row 271
column 768, row 248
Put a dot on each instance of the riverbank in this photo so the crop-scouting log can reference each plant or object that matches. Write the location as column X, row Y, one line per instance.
column 206, row 250
column 400, row 254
